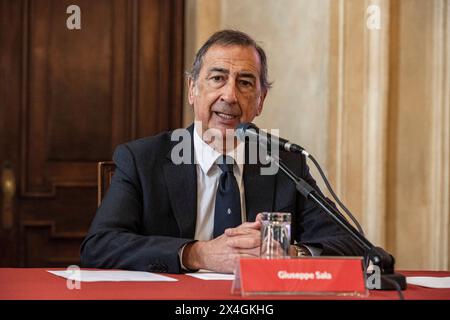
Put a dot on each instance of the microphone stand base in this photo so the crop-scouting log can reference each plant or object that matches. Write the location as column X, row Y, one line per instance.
column 388, row 281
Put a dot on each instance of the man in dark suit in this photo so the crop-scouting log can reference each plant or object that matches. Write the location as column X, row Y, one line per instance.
column 162, row 216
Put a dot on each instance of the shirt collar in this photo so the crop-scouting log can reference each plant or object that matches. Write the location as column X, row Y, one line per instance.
column 206, row 156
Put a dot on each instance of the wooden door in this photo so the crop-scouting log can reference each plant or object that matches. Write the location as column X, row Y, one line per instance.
column 68, row 97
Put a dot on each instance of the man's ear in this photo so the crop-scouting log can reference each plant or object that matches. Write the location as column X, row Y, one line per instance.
column 191, row 91
column 261, row 102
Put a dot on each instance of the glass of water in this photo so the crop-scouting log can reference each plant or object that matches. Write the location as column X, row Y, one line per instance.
column 275, row 235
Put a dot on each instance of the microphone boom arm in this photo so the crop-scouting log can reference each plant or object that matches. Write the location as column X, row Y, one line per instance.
column 379, row 257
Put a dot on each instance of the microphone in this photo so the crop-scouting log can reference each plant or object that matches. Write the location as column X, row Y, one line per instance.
column 249, row 129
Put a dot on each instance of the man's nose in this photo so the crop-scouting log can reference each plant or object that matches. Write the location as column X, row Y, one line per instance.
column 229, row 92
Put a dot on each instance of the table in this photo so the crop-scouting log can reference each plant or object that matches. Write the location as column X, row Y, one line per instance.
column 37, row 284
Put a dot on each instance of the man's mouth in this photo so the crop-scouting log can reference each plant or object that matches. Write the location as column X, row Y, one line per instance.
column 225, row 116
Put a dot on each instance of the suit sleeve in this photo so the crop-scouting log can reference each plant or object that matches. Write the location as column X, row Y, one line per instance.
column 114, row 239
column 320, row 230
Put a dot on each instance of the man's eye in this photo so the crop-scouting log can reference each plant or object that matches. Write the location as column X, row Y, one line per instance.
column 217, row 78
column 245, row 83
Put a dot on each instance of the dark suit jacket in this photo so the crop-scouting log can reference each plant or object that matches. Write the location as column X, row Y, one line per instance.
column 150, row 209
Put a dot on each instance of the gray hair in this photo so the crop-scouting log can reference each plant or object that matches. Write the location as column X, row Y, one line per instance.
column 228, row 38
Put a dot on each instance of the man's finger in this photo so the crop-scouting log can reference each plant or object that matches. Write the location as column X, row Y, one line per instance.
column 252, row 225
column 259, row 217
column 244, row 228
column 244, row 242
column 233, row 232
column 248, row 253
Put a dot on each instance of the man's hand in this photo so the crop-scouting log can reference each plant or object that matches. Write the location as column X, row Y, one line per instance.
column 245, row 239
column 222, row 254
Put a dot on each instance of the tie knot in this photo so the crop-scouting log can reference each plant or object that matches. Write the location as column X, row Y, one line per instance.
column 225, row 163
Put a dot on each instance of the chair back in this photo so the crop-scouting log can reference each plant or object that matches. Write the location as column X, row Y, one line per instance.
column 105, row 171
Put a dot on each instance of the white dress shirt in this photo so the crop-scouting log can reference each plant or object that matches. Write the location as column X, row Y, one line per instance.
column 208, row 175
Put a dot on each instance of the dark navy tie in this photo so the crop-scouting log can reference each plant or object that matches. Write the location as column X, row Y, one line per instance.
column 227, row 213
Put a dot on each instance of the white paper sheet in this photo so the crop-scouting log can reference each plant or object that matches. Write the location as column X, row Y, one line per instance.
column 109, row 275
column 209, row 275
column 430, row 282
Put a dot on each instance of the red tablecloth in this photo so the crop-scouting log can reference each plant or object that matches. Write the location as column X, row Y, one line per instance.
column 37, row 284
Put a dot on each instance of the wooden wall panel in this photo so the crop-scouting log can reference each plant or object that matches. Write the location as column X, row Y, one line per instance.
column 10, row 99
column 78, row 94
column 68, row 94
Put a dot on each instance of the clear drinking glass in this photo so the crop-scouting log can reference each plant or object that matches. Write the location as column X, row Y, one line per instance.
column 275, row 235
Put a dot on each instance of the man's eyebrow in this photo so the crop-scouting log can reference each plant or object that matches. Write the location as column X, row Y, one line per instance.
column 247, row 75
column 217, row 69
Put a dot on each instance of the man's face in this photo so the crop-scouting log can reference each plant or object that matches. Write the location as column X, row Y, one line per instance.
column 228, row 90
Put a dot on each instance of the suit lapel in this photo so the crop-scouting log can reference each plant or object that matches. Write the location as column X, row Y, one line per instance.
column 181, row 182
column 259, row 191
